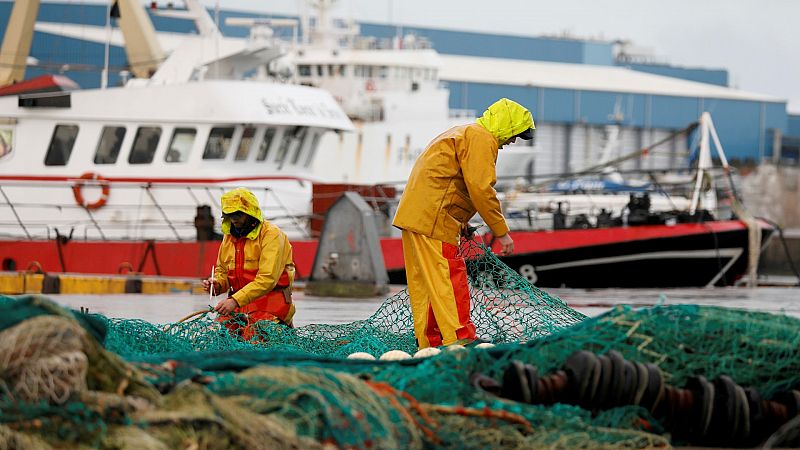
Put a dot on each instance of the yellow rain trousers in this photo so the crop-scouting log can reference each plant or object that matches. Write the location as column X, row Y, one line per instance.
column 452, row 180
column 439, row 292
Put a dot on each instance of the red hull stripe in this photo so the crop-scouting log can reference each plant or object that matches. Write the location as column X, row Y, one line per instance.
column 192, row 259
column 541, row 241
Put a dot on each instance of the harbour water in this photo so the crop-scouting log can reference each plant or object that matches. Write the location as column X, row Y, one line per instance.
column 315, row 310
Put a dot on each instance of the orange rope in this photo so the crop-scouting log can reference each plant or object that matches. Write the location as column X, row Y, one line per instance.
column 386, row 390
column 485, row 412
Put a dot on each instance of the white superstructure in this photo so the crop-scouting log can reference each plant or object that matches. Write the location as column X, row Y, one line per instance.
column 390, row 88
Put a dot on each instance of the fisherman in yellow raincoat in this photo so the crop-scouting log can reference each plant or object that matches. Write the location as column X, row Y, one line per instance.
column 254, row 266
column 451, row 180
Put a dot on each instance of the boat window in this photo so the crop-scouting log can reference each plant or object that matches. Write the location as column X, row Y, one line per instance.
column 245, row 143
column 144, row 145
column 300, row 139
column 266, row 143
column 61, row 145
column 383, row 72
column 304, row 70
column 181, row 145
column 288, row 140
column 109, row 145
column 331, row 70
column 342, row 70
column 312, row 151
column 219, row 140
column 6, row 141
column 319, row 70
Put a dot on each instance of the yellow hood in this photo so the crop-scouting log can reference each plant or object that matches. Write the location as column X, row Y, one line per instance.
column 240, row 199
column 506, row 118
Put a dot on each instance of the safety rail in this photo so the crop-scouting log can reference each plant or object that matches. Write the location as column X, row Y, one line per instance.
column 129, row 211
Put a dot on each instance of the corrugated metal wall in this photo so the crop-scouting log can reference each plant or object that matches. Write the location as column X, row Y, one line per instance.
column 568, row 148
column 744, row 127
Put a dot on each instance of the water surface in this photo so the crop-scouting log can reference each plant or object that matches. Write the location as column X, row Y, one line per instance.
column 171, row 308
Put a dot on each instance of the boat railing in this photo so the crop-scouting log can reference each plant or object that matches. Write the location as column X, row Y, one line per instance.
column 553, row 201
column 134, row 210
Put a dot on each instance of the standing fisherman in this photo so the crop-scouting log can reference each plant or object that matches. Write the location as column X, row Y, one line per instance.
column 254, row 266
column 452, row 179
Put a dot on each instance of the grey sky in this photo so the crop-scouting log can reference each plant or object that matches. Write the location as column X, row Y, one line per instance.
column 755, row 40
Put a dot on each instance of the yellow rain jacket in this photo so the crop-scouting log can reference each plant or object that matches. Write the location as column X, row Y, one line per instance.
column 455, row 176
column 254, row 265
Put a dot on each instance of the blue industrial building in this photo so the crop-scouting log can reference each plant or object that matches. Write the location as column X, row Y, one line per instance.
column 752, row 127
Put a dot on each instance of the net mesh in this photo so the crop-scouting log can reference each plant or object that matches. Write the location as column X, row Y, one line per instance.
column 72, row 379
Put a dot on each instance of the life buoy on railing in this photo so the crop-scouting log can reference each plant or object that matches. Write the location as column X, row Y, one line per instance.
column 370, row 86
column 105, row 188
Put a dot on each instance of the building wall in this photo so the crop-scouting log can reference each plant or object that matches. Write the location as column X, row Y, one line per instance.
column 503, row 46
column 793, row 125
column 743, row 126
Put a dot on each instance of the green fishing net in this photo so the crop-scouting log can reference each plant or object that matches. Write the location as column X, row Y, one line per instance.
column 72, row 380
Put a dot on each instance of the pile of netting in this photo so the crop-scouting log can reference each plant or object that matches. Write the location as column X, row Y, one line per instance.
column 630, row 378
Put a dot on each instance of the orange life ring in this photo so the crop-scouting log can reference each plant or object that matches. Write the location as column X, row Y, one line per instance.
column 370, row 86
column 105, row 188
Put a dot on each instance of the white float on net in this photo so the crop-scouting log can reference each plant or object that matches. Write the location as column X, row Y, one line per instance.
column 361, row 355
column 394, row 355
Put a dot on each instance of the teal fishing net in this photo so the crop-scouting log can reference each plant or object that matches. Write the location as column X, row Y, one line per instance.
column 630, row 378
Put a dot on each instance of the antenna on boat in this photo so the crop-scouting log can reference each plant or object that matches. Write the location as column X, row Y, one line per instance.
column 104, row 74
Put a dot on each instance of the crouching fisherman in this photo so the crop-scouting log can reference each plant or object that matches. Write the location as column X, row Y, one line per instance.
column 254, row 267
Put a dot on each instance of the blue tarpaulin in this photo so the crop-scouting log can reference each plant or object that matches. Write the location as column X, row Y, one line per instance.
column 596, row 186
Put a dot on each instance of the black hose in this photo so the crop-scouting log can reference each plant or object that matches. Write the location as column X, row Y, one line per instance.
column 785, row 248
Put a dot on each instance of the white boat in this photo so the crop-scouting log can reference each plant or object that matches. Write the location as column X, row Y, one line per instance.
column 218, row 112
column 135, row 162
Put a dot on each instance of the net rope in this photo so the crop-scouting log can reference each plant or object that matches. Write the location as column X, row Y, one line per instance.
column 69, row 379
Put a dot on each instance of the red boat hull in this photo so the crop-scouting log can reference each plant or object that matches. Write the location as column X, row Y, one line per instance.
column 559, row 251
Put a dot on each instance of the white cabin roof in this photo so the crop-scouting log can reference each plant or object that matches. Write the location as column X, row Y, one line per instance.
column 582, row 77
column 213, row 101
column 389, row 57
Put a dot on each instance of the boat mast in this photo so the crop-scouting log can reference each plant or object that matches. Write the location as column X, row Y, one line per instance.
column 704, row 170
column 17, row 41
column 141, row 44
column 705, row 164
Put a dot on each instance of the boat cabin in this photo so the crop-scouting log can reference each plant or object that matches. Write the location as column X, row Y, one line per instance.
column 137, row 162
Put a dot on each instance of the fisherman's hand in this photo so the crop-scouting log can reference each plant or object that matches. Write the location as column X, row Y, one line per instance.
column 506, row 244
column 225, row 307
column 468, row 231
column 208, row 283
